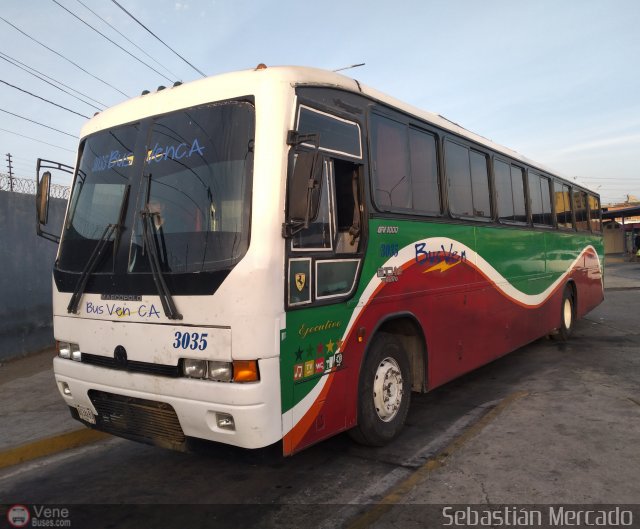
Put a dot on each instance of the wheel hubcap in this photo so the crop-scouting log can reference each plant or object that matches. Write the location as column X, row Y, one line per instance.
column 567, row 313
column 387, row 389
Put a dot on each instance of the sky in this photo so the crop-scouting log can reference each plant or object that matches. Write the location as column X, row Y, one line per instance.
column 558, row 81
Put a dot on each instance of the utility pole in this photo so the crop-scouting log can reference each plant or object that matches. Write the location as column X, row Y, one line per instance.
column 10, row 172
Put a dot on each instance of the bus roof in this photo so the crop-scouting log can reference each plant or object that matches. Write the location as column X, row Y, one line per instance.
column 249, row 82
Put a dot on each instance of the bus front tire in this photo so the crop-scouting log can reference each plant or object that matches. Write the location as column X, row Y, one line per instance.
column 567, row 315
column 384, row 392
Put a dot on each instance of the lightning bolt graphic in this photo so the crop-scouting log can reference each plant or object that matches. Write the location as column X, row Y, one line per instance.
column 443, row 266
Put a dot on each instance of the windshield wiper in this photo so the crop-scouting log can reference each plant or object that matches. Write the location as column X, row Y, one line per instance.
column 93, row 261
column 123, row 209
column 148, row 239
column 96, row 255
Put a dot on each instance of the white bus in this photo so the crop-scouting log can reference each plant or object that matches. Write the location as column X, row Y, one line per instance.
column 244, row 260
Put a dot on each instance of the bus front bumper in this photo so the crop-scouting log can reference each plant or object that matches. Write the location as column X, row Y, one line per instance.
column 141, row 406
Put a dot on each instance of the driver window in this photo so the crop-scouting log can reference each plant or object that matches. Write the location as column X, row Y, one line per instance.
column 319, row 234
column 346, row 176
column 338, row 193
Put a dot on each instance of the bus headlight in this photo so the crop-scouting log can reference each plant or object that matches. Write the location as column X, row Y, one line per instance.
column 194, row 368
column 220, row 371
column 69, row 350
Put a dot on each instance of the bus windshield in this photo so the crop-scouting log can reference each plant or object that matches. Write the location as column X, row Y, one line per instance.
column 191, row 170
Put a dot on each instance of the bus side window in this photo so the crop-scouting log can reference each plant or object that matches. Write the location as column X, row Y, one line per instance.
column 425, row 187
column 580, row 205
column 547, row 193
column 404, row 168
column 468, row 181
column 480, row 192
column 594, row 214
column 563, row 205
column 540, row 199
column 504, row 195
column 535, row 198
column 519, row 199
column 458, row 171
column 391, row 179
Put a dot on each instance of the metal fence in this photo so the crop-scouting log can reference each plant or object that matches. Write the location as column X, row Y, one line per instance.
column 28, row 187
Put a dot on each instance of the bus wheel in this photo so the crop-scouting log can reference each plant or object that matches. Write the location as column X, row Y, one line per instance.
column 567, row 315
column 384, row 392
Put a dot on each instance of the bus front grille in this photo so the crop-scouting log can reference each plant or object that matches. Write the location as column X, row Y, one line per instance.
column 133, row 366
column 141, row 420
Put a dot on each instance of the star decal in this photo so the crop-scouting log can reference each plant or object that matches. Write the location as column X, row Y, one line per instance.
column 309, row 350
column 319, row 348
column 299, row 354
column 330, row 346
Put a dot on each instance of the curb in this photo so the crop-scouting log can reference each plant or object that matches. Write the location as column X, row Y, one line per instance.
column 49, row 446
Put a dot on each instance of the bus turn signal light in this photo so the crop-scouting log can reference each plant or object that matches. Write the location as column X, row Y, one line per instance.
column 245, row 371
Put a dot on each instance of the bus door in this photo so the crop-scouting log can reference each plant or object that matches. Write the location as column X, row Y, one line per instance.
column 325, row 248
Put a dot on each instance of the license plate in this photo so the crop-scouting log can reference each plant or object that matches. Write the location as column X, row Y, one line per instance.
column 86, row 414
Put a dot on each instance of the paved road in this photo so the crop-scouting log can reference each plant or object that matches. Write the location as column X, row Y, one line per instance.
column 549, row 423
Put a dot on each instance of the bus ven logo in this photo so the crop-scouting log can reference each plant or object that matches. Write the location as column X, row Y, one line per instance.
column 301, row 279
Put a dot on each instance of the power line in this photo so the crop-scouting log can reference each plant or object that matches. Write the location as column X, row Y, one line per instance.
column 20, row 159
column 10, row 60
column 599, row 178
column 43, row 99
column 623, row 185
column 23, row 170
column 127, row 39
column 111, row 41
column 158, row 38
column 38, row 123
column 35, row 139
column 52, row 79
column 22, row 165
column 63, row 57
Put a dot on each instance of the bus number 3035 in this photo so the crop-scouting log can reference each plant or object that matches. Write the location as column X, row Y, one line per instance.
column 193, row 340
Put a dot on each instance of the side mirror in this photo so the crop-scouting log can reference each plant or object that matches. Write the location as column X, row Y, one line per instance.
column 43, row 193
column 42, row 198
column 304, row 192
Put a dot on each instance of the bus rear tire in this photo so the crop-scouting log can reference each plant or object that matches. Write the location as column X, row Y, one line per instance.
column 384, row 392
column 567, row 315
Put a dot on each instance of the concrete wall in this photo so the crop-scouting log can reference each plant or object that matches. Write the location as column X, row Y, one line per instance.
column 26, row 262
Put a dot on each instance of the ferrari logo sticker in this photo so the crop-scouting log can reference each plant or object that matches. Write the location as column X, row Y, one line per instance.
column 301, row 279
